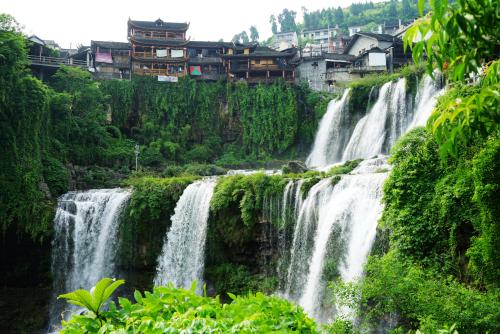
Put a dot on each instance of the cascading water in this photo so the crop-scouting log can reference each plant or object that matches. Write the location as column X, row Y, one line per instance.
column 328, row 144
column 337, row 223
column 303, row 239
column 372, row 131
column 182, row 257
column 85, row 241
column 392, row 114
column 353, row 206
column 426, row 99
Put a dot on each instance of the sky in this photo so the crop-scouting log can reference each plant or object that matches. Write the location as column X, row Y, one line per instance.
column 71, row 23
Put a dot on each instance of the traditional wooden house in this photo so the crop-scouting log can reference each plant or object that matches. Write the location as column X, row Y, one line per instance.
column 257, row 64
column 111, row 60
column 205, row 60
column 158, row 48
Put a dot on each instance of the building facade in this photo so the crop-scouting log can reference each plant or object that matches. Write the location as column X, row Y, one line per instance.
column 255, row 64
column 158, row 48
column 111, row 60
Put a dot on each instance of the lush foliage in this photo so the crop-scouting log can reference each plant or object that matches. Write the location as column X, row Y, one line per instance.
column 146, row 220
column 170, row 310
column 443, row 261
column 247, row 193
column 366, row 14
column 24, row 127
column 95, row 299
column 74, row 132
column 423, row 298
column 461, row 39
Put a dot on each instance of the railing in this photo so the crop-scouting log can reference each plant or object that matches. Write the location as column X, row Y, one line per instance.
column 337, row 69
column 156, row 71
column 360, row 69
column 158, row 37
column 205, row 60
column 54, row 61
column 258, row 67
column 152, row 55
column 210, row 76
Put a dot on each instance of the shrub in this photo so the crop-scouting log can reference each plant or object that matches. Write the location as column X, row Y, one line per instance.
column 170, row 310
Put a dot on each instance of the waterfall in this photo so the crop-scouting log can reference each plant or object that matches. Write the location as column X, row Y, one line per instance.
column 425, row 101
column 303, row 238
column 337, row 223
column 85, row 241
column 392, row 114
column 371, row 132
column 182, row 257
column 327, row 147
column 351, row 207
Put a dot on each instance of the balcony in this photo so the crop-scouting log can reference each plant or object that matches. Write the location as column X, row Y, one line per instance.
column 152, row 56
column 161, row 37
column 205, row 60
column 366, row 69
column 157, row 71
column 55, row 62
column 259, row 67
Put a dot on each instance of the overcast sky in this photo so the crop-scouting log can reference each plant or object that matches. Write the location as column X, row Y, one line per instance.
column 77, row 22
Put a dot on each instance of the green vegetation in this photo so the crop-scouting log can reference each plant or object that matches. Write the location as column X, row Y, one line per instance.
column 77, row 132
column 442, row 263
column 436, row 263
column 367, row 14
column 177, row 311
column 464, row 42
column 146, row 220
column 247, row 194
column 95, row 299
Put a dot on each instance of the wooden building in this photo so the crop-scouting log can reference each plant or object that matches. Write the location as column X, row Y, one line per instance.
column 111, row 60
column 205, row 60
column 158, row 48
column 256, row 64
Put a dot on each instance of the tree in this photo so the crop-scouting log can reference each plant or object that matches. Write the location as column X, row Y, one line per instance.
column 254, row 34
column 274, row 26
column 461, row 40
column 236, row 38
column 339, row 15
column 287, row 20
column 9, row 24
column 408, row 9
column 392, row 10
column 244, row 37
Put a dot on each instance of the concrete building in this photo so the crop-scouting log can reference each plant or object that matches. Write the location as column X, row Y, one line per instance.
column 285, row 40
column 326, row 72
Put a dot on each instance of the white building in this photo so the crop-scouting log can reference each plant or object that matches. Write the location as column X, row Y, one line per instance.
column 285, row 40
column 354, row 29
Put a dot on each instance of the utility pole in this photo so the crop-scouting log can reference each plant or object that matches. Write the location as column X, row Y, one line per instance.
column 136, row 151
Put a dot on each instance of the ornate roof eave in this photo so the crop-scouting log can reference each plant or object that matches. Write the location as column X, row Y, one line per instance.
column 134, row 24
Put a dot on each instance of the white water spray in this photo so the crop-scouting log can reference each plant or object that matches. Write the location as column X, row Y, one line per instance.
column 85, row 241
column 183, row 255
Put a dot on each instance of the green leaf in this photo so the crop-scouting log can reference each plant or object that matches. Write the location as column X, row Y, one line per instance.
column 137, row 296
column 421, row 6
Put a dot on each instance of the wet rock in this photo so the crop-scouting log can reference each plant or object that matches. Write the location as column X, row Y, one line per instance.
column 296, row 167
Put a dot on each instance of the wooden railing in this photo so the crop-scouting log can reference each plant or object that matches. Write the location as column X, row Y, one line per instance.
column 54, row 61
column 152, row 55
column 158, row 37
column 258, row 67
column 156, row 71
